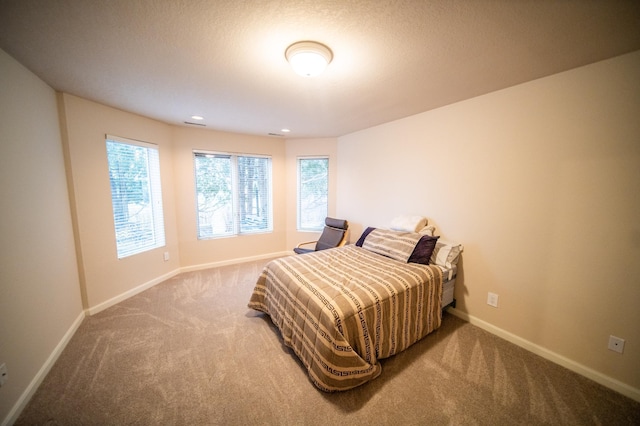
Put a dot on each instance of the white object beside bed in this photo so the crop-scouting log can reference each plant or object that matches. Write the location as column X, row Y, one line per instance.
column 448, row 288
column 408, row 223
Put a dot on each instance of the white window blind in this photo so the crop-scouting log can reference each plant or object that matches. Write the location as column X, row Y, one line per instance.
column 136, row 194
column 233, row 194
column 313, row 192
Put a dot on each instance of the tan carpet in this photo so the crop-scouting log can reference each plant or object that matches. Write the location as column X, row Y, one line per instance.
column 189, row 352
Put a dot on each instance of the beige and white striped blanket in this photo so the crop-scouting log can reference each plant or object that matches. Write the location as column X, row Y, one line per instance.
column 342, row 310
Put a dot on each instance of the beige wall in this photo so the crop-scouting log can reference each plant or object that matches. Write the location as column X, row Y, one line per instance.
column 541, row 184
column 39, row 287
column 105, row 278
column 300, row 148
column 196, row 253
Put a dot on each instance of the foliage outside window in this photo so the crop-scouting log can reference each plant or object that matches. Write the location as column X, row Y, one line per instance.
column 233, row 194
column 313, row 192
column 136, row 195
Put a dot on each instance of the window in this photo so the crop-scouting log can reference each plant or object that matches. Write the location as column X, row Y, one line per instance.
column 134, row 173
column 233, row 194
column 313, row 191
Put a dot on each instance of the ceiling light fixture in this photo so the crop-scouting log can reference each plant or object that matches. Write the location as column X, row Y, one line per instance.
column 197, row 117
column 308, row 58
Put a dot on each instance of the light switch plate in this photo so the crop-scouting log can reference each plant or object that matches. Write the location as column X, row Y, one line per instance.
column 492, row 299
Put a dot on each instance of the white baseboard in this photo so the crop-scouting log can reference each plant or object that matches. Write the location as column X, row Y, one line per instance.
column 596, row 376
column 42, row 373
column 142, row 287
column 130, row 293
column 234, row 261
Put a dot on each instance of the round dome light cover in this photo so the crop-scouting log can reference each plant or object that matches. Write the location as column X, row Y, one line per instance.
column 308, row 58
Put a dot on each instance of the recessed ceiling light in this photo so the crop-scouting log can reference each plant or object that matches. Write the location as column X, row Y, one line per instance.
column 285, row 130
column 197, row 117
column 308, row 58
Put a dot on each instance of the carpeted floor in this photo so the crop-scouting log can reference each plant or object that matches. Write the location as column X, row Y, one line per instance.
column 189, row 352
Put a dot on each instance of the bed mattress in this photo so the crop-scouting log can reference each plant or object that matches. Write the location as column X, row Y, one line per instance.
column 448, row 284
column 344, row 309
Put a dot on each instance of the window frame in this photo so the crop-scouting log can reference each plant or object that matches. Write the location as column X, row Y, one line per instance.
column 153, row 185
column 237, row 227
column 299, row 221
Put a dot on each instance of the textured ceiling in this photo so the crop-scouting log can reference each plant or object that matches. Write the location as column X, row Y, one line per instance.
column 224, row 59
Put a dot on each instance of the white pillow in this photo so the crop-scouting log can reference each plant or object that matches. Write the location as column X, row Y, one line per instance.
column 446, row 254
column 408, row 223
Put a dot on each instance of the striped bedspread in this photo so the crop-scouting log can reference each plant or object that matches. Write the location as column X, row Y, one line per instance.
column 342, row 310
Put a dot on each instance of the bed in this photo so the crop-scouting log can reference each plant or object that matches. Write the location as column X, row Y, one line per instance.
column 342, row 310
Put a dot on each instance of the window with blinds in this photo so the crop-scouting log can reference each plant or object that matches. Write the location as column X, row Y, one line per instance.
column 233, row 194
column 136, row 194
column 313, row 192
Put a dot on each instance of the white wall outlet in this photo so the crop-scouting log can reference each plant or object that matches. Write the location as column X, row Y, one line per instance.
column 616, row 344
column 166, row 256
column 3, row 374
column 492, row 299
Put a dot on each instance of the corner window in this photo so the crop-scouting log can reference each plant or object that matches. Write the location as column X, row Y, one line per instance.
column 313, row 192
column 233, row 194
column 136, row 195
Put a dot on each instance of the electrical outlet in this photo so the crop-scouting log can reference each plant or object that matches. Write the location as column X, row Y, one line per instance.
column 3, row 374
column 492, row 299
column 616, row 344
column 166, row 256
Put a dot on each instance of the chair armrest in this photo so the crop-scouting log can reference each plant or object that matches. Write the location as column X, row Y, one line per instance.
column 305, row 243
